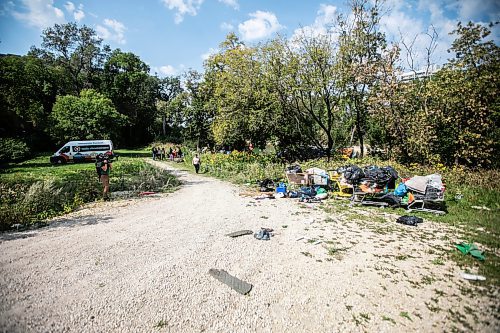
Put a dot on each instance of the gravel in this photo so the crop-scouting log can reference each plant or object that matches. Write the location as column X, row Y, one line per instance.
column 141, row 265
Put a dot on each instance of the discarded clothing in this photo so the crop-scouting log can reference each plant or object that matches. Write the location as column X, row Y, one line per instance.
column 401, row 190
column 240, row 286
column 417, row 183
column 263, row 234
column 409, row 220
column 471, row 249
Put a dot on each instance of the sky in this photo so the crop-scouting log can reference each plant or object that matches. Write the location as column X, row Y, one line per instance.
column 172, row 36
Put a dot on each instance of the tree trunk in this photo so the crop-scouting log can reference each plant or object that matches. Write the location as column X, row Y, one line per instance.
column 164, row 124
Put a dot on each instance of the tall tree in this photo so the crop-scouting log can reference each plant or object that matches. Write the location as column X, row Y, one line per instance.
column 169, row 88
column 134, row 92
column 197, row 112
column 240, row 95
column 466, row 98
column 360, row 60
column 78, row 50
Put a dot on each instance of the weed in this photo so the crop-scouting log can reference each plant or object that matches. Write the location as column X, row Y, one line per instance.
column 365, row 316
column 348, row 307
column 432, row 308
column 284, row 226
column 162, row 323
column 389, row 319
column 438, row 261
column 428, row 279
column 307, row 254
column 405, row 314
column 401, row 257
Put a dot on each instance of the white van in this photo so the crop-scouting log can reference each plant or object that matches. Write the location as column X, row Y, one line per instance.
column 80, row 151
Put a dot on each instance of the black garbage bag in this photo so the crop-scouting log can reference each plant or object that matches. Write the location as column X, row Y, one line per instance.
column 294, row 169
column 266, row 185
column 353, row 174
column 409, row 220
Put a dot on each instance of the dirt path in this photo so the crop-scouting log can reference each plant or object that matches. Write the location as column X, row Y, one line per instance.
column 142, row 266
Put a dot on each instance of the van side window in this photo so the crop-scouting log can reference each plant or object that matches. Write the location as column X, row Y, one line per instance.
column 65, row 150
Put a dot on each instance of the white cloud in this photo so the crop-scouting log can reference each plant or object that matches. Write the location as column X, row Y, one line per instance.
column 325, row 17
column 39, row 13
column 226, row 26
column 167, row 70
column 183, row 7
column 112, row 30
column 71, row 9
column 207, row 54
column 261, row 25
column 79, row 15
column 231, row 3
column 472, row 10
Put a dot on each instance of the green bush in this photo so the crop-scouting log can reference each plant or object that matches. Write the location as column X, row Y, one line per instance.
column 12, row 149
column 31, row 194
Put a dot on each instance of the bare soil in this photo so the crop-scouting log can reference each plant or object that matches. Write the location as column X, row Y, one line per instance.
column 141, row 265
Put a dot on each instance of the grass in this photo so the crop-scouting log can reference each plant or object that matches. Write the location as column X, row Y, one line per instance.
column 405, row 314
column 35, row 190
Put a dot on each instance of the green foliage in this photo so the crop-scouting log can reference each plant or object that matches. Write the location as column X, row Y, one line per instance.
column 34, row 190
column 90, row 116
column 126, row 81
column 12, row 149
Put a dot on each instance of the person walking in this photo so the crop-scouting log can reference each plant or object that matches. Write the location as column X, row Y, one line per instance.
column 196, row 163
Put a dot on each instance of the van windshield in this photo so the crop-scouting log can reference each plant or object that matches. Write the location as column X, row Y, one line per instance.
column 64, row 150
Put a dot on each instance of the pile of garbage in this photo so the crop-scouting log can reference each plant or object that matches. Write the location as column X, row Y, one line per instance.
column 372, row 184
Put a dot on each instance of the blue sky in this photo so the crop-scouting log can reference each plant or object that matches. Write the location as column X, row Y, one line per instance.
column 174, row 35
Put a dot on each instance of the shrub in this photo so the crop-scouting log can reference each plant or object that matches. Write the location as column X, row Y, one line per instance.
column 12, row 149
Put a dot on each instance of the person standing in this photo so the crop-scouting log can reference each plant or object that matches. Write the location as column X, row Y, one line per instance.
column 196, row 163
column 105, row 171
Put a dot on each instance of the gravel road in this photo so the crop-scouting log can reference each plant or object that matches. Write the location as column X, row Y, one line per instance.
column 141, row 265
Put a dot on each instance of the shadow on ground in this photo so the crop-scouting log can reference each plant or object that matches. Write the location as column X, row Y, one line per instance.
column 60, row 223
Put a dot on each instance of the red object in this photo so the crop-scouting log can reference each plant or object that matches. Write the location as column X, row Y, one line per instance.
column 146, row 193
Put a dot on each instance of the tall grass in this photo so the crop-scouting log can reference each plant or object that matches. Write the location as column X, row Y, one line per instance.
column 33, row 191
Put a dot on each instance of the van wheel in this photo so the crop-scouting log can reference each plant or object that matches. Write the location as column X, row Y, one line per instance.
column 60, row 161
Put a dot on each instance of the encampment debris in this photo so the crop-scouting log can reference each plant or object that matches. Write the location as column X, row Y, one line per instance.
column 471, row 249
column 409, row 220
column 240, row 233
column 240, row 286
column 481, row 208
column 473, row 277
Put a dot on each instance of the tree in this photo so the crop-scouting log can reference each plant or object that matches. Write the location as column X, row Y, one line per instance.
column 360, row 60
column 169, row 89
column 304, row 77
column 240, row 95
column 134, row 93
column 466, row 98
column 78, row 50
column 27, row 92
column 89, row 116
column 197, row 112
